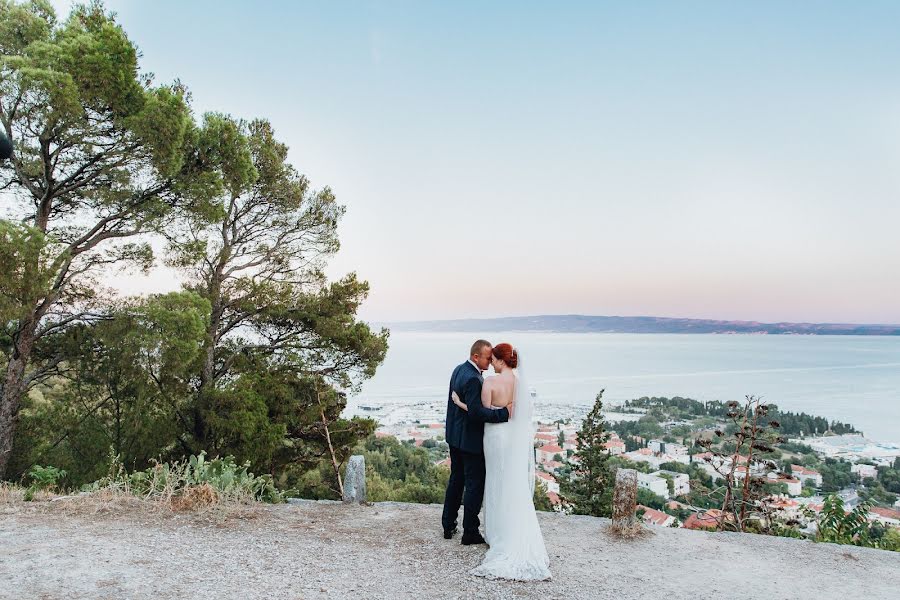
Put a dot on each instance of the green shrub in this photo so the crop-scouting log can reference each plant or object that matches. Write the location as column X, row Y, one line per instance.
column 43, row 479
column 168, row 480
column 840, row 527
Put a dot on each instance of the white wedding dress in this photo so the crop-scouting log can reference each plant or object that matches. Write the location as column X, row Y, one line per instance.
column 510, row 522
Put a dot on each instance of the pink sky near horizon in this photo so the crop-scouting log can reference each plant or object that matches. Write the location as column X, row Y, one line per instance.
column 721, row 161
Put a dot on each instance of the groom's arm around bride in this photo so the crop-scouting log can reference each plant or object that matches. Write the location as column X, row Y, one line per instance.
column 465, row 428
column 464, row 433
column 475, row 409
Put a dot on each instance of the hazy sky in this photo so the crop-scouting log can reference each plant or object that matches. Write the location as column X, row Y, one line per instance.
column 693, row 159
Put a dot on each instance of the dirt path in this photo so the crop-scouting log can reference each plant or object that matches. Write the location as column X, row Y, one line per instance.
column 324, row 550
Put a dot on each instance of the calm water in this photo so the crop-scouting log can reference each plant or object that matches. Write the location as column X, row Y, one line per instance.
column 852, row 379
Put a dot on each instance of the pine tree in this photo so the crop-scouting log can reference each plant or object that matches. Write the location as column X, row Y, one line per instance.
column 586, row 487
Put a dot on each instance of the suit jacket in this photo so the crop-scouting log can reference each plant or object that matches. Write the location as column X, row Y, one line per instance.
column 465, row 429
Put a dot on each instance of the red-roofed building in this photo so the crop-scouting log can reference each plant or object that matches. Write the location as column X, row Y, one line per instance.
column 788, row 506
column 552, row 465
column 615, row 447
column 794, row 487
column 546, row 438
column 548, row 480
column 443, row 463
column 888, row 516
column 708, row 520
column 701, row 457
column 804, row 474
column 741, row 471
column 652, row 516
column 783, row 502
column 547, row 452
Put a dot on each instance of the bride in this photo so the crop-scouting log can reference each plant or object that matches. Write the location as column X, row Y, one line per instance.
column 510, row 523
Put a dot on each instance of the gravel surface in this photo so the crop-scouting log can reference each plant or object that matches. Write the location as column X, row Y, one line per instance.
column 391, row 550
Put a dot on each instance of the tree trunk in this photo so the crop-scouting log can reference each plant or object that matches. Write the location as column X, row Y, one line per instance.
column 334, row 461
column 13, row 390
column 208, row 371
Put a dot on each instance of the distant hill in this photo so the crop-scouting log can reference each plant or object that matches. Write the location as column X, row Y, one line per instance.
column 598, row 324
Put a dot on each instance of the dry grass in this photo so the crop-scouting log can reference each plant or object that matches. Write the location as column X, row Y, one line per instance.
column 627, row 530
column 196, row 497
column 202, row 501
column 10, row 494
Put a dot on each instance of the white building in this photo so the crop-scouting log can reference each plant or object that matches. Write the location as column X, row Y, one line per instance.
column 655, row 484
column 683, row 459
column 643, row 455
column 710, row 470
column 888, row 516
column 851, row 498
column 548, row 480
column 652, row 516
column 708, row 458
column 804, row 474
column 681, row 481
column 547, row 452
column 676, row 449
column 788, row 507
column 794, row 487
column 864, row 471
column 656, row 445
column 671, row 448
column 615, row 446
column 711, row 464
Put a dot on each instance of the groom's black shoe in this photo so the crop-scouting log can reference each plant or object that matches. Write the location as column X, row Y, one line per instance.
column 448, row 533
column 469, row 539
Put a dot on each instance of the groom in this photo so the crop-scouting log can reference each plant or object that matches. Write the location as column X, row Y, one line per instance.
column 465, row 430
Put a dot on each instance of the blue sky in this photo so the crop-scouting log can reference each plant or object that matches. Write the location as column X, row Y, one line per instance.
column 691, row 159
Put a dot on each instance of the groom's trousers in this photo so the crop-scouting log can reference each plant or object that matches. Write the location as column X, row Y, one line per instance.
column 466, row 487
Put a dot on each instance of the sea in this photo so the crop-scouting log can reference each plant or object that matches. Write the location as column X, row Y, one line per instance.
column 853, row 379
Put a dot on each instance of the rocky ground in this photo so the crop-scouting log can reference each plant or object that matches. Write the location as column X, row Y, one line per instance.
column 329, row 550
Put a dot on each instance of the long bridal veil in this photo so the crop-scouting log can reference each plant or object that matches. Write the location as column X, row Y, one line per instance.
column 517, row 548
column 522, row 423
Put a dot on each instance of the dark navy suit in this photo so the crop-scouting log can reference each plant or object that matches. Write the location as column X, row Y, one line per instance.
column 465, row 430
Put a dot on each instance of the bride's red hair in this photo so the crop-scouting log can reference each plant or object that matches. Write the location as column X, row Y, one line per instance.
column 507, row 354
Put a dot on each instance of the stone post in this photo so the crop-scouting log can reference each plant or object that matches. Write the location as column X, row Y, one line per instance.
column 355, row 480
column 625, row 501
